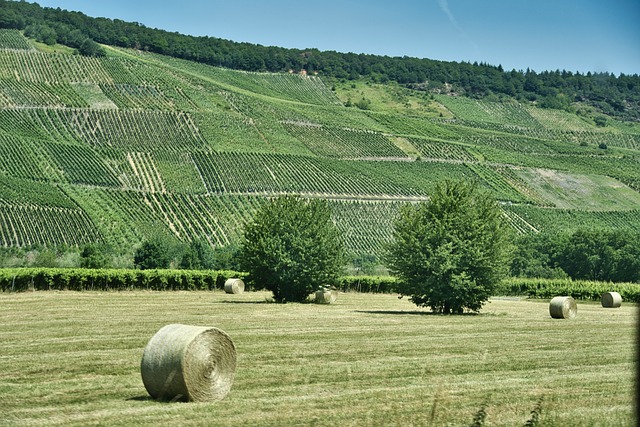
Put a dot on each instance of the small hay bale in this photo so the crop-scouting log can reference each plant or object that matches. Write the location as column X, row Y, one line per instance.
column 234, row 286
column 563, row 308
column 189, row 363
column 325, row 296
column 611, row 300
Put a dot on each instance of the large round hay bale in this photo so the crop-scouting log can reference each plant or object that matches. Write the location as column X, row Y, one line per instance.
column 189, row 363
column 234, row 286
column 611, row 300
column 563, row 308
column 325, row 296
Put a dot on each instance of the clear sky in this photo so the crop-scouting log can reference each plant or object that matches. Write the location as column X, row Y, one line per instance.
column 572, row 35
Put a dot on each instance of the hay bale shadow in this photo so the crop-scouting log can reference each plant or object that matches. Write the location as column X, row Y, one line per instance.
column 140, row 399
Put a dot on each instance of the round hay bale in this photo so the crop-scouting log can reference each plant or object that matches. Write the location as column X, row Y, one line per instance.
column 234, row 286
column 189, row 363
column 611, row 300
column 325, row 296
column 563, row 308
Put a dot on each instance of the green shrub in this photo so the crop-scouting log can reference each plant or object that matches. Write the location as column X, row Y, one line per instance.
column 578, row 289
column 373, row 284
column 43, row 279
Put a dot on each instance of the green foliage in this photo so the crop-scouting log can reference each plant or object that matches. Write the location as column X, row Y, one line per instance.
column 450, row 252
column 83, row 279
column 226, row 257
column 533, row 254
column 578, row 289
column 601, row 121
column 90, row 48
column 372, row 284
column 95, row 256
column 198, row 256
column 365, row 263
column 42, row 33
column 154, row 253
column 582, row 254
column 12, row 39
column 363, row 104
column 292, row 248
column 591, row 254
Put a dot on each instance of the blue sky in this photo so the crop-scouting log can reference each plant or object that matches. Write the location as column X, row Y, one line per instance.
column 572, row 35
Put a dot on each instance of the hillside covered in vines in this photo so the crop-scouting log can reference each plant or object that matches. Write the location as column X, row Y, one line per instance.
column 122, row 147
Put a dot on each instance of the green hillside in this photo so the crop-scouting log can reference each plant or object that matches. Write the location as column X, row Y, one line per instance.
column 120, row 148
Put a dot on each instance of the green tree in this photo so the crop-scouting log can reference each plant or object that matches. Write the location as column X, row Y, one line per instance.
column 450, row 253
column 291, row 248
column 226, row 257
column 90, row 48
column 593, row 254
column 154, row 253
column 42, row 33
column 95, row 256
column 198, row 256
column 535, row 255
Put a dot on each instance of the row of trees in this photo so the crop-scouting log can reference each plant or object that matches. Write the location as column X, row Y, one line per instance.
column 159, row 252
column 585, row 254
column 65, row 35
column 613, row 95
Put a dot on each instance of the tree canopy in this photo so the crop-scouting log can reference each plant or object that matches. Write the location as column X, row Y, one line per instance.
column 292, row 248
column 450, row 253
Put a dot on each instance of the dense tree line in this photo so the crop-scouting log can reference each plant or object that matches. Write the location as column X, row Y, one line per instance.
column 613, row 95
column 158, row 252
column 585, row 254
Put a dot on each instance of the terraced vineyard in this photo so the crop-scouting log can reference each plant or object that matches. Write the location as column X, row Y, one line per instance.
column 120, row 148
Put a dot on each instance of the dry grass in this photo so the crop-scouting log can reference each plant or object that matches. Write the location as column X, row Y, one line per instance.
column 74, row 359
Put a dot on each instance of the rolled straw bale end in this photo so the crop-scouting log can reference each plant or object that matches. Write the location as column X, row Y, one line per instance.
column 563, row 308
column 325, row 297
column 234, row 286
column 189, row 363
column 611, row 300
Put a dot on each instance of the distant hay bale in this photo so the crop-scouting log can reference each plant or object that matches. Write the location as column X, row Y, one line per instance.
column 563, row 308
column 234, row 286
column 611, row 300
column 325, row 296
column 189, row 363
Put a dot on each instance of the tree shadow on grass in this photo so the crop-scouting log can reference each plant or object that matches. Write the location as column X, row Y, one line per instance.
column 226, row 301
column 411, row 313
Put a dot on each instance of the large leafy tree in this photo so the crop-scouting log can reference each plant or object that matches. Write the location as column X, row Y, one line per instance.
column 292, row 247
column 450, row 253
column 153, row 253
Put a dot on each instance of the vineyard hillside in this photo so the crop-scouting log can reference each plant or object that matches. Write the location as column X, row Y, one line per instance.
column 120, row 148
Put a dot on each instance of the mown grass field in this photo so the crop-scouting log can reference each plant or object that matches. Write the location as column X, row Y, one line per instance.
column 370, row 359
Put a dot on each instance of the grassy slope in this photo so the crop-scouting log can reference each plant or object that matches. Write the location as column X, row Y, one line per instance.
column 71, row 359
column 169, row 140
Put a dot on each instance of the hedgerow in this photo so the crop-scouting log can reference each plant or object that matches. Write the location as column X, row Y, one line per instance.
column 579, row 289
column 71, row 279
